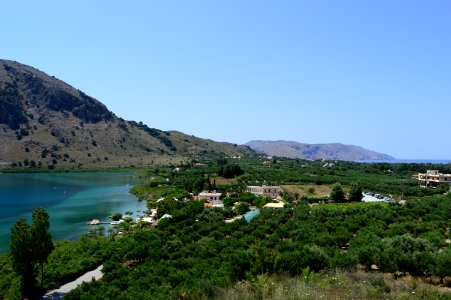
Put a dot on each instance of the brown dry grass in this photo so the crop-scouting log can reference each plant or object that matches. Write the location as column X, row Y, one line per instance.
column 320, row 190
column 333, row 285
column 224, row 181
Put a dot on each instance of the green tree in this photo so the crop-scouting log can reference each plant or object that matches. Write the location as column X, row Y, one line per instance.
column 41, row 239
column 406, row 254
column 355, row 193
column 230, row 171
column 337, row 193
column 22, row 256
column 116, row 217
column 211, row 215
column 443, row 263
column 30, row 246
column 367, row 246
column 241, row 208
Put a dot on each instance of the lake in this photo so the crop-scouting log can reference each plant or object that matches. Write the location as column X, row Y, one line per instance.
column 71, row 199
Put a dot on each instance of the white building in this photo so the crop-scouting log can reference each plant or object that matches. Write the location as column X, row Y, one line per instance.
column 213, row 196
column 269, row 191
column 433, row 178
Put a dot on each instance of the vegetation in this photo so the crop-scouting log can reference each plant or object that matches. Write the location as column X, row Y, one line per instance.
column 30, row 248
column 329, row 285
column 185, row 258
column 337, row 193
column 375, row 250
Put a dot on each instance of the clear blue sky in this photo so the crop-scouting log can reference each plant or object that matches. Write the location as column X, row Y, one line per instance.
column 371, row 73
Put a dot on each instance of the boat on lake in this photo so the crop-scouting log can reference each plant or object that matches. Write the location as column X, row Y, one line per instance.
column 93, row 222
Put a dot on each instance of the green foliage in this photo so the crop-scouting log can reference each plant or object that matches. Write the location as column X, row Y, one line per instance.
column 337, row 193
column 443, row 262
column 230, row 171
column 30, row 246
column 70, row 260
column 228, row 201
column 406, row 254
column 41, row 239
column 367, row 247
column 196, row 255
column 211, row 215
column 21, row 247
column 9, row 282
column 355, row 193
column 241, row 208
column 116, row 216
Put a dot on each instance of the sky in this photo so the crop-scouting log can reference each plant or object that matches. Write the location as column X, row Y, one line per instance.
column 376, row 74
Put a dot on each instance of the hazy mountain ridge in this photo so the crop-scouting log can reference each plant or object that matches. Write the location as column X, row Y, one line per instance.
column 46, row 122
column 333, row 151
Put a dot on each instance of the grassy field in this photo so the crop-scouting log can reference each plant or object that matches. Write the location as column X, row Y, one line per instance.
column 308, row 189
column 333, row 285
column 225, row 181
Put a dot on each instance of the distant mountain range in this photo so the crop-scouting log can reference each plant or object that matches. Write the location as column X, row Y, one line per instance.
column 332, row 151
column 44, row 122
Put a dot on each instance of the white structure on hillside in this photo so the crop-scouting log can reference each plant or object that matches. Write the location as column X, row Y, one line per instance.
column 209, row 196
column 433, row 178
column 269, row 191
column 274, row 205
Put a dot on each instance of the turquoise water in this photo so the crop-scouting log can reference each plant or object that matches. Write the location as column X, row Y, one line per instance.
column 71, row 199
column 249, row 216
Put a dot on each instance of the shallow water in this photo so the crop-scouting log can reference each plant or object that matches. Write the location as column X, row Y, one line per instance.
column 71, row 199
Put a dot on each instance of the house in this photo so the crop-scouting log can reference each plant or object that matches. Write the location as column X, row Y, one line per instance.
column 214, row 203
column 269, row 191
column 213, row 196
column 213, row 199
column 433, row 178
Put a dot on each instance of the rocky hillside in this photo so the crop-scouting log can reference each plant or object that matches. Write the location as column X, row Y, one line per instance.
column 46, row 123
column 316, row 151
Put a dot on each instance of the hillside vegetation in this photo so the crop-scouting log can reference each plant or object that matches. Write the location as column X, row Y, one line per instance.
column 343, row 250
column 47, row 124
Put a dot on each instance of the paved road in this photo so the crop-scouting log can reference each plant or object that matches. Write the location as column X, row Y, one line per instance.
column 59, row 293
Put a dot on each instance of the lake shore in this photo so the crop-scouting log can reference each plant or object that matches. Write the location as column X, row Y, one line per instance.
column 71, row 200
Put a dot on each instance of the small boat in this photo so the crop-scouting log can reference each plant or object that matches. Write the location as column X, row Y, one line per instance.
column 93, row 222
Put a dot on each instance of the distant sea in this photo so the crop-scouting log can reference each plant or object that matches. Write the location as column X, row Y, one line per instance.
column 409, row 161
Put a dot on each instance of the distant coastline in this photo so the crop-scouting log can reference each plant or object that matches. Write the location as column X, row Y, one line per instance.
column 408, row 161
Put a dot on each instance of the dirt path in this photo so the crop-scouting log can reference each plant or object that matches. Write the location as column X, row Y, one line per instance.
column 59, row 293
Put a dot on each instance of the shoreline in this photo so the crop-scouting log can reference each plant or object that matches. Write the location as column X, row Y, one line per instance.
column 84, row 200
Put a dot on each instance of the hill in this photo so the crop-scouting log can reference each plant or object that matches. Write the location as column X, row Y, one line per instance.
column 46, row 123
column 333, row 151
